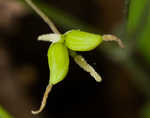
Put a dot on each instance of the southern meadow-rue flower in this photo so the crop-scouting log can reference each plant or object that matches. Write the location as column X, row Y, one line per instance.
column 64, row 45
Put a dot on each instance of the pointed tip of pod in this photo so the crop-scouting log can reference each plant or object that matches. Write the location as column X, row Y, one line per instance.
column 44, row 100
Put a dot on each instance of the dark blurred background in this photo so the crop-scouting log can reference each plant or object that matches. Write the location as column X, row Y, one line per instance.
column 24, row 72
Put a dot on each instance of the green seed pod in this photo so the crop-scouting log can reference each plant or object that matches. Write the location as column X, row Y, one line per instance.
column 58, row 59
column 81, row 41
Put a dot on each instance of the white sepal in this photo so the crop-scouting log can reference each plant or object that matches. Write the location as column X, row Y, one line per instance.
column 53, row 37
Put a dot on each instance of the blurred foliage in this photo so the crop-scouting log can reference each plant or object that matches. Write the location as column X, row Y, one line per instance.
column 136, row 10
column 139, row 30
column 4, row 114
column 145, row 112
column 139, row 25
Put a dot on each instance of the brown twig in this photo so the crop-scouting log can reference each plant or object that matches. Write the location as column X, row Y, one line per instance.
column 43, row 16
column 86, row 67
column 43, row 103
column 110, row 37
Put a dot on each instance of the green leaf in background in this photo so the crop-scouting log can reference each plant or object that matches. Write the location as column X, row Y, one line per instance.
column 144, row 42
column 145, row 111
column 139, row 25
column 4, row 114
column 136, row 10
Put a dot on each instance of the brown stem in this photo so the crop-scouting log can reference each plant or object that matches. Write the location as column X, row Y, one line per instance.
column 109, row 37
column 43, row 16
column 88, row 68
column 43, row 103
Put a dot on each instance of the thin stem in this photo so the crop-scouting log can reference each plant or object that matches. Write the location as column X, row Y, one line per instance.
column 43, row 16
column 109, row 37
column 85, row 66
column 43, row 103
